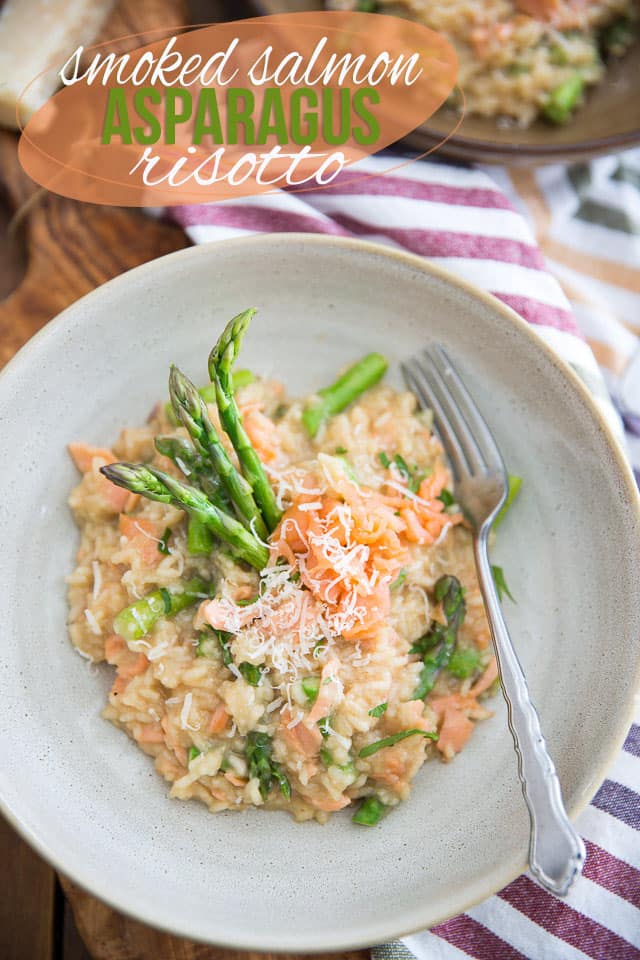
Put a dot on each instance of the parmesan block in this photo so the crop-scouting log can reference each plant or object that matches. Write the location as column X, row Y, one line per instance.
column 35, row 35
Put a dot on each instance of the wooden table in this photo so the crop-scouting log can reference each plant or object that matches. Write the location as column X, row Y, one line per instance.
column 53, row 251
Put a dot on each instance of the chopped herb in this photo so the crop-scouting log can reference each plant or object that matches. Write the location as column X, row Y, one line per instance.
column 163, row 546
column 247, row 603
column 401, row 464
column 384, row 459
column 280, row 411
column 367, row 6
column 399, row 580
column 224, row 764
column 261, row 766
column 224, row 639
column 447, row 498
column 166, row 599
column 251, row 673
column 395, row 738
column 558, row 55
column 325, row 756
column 324, row 726
column 379, row 710
column 370, row 812
column 295, row 577
column 514, row 484
column 463, row 663
column 285, row 786
column 193, row 753
column 501, row 583
column 310, row 688
column 341, row 450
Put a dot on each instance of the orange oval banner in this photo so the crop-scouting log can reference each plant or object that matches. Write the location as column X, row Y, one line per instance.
column 236, row 109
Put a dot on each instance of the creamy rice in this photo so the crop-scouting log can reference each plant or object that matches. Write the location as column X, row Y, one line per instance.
column 193, row 713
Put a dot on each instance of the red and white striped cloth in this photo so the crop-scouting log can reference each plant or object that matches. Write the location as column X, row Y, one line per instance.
column 461, row 219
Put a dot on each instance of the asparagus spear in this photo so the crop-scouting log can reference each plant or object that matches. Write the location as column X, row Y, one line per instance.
column 182, row 453
column 138, row 619
column 157, row 485
column 371, row 810
column 221, row 360
column 358, row 378
column 192, row 411
column 450, row 594
column 199, row 538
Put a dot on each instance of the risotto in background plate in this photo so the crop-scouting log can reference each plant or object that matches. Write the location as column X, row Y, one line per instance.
column 309, row 675
column 521, row 59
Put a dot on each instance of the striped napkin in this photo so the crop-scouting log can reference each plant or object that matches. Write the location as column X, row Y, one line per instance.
column 561, row 246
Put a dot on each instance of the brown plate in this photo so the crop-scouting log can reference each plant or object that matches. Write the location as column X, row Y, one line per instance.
column 608, row 121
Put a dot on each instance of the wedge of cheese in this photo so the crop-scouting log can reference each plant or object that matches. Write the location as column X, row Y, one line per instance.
column 35, row 35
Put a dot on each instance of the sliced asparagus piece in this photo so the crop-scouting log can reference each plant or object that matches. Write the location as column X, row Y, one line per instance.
column 157, row 485
column 221, row 361
column 331, row 400
column 138, row 619
column 192, row 411
column 449, row 593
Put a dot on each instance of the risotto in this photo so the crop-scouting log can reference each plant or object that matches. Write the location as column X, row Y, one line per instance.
column 520, row 59
column 286, row 591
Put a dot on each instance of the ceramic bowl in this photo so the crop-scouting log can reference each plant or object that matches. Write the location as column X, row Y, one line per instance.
column 90, row 801
column 609, row 119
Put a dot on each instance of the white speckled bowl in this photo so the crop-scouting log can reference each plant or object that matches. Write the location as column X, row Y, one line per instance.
column 84, row 795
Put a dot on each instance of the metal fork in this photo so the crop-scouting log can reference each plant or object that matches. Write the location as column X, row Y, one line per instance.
column 556, row 851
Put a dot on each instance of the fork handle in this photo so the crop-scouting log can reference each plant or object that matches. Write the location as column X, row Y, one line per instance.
column 556, row 851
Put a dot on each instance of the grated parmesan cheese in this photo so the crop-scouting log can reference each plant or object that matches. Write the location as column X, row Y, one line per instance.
column 93, row 623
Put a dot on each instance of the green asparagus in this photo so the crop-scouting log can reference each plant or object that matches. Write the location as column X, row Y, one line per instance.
column 449, row 593
column 221, row 360
column 331, row 400
column 138, row 619
column 199, row 538
column 262, row 767
column 395, row 738
column 157, row 485
column 192, row 411
column 514, row 484
column 370, row 812
column 562, row 101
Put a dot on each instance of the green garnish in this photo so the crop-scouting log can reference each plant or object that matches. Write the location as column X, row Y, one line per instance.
column 447, row 498
column 384, row 459
column 224, row 639
column 193, row 753
column 163, row 546
column 399, row 580
column 463, row 663
column 379, row 710
column 207, row 644
column 367, row 6
column 341, row 451
column 370, row 812
column 251, row 673
column 618, row 36
column 450, row 594
column 562, row 101
column 262, row 767
column 310, row 688
column 501, row 583
column 514, row 484
column 401, row 464
column 325, row 756
column 395, row 738
column 324, row 726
